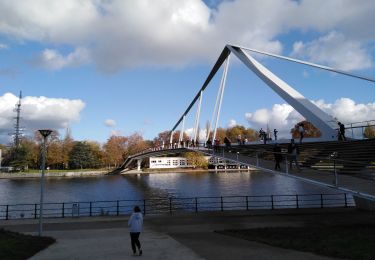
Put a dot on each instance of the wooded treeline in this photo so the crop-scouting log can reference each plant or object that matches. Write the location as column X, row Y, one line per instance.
column 67, row 153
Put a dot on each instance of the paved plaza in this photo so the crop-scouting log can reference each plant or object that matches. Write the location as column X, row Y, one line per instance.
column 188, row 236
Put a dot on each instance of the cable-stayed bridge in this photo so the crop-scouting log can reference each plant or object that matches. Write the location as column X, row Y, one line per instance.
column 326, row 161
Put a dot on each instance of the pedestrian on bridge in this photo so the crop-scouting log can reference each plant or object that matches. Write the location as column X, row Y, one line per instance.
column 293, row 152
column 239, row 140
column 227, row 142
column 301, row 130
column 135, row 225
column 341, row 132
column 278, row 156
column 209, row 144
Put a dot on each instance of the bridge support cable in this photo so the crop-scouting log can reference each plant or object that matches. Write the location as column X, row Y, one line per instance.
column 197, row 117
column 324, row 122
column 239, row 51
column 214, row 112
column 171, row 140
column 222, row 84
column 224, row 54
column 182, row 131
column 308, row 64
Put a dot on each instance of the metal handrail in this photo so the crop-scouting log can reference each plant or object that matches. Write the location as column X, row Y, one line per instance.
column 175, row 204
column 314, row 157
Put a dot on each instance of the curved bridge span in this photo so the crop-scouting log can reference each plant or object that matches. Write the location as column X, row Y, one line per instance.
column 322, row 170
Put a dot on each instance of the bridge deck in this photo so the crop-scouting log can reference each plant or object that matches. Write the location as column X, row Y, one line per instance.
column 345, row 182
column 355, row 161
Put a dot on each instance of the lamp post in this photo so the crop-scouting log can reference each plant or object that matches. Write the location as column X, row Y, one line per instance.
column 45, row 133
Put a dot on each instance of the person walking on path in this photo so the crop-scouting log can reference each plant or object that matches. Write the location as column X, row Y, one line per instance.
column 135, row 224
column 278, row 156
column 341, row 132
column 301, row 131
column 293, row 152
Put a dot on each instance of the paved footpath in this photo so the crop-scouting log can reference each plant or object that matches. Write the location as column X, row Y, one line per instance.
column 189, row 236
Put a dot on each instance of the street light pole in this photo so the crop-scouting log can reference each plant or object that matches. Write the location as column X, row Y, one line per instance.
column 45, row 134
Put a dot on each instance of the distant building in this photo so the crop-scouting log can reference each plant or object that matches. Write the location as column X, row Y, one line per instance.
column 179, row 162
column 168, row 162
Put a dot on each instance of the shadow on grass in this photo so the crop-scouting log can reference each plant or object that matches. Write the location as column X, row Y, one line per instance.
column 351, row 242
column 19, row 246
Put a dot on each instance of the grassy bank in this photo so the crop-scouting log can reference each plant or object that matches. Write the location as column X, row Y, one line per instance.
column 351, row 242
column 19, row 246
column 63, row 171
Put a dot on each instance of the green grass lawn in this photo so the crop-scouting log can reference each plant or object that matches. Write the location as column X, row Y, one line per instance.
column 351, row 242
column 19, row 246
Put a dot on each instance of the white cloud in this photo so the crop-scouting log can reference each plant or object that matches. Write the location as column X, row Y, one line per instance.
column 232, row 123
column 39, row 112
column 125, row 33
column 110, row 122
column 347, row 110
column 53, row 60
column 283, row 117
column 3, row 46
column 334, row 50
column 116, row 133
column 189, row 132
column 201, row 136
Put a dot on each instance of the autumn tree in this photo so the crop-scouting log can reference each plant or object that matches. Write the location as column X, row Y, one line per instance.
column 233, row 132
column 166, row 137
column 196, row 160
column 114, row 150
column 33, row 152
column 310, row 130
column 54, row 156
column 98, row 153
column 67, row 145
column 220, row 134
column 369, row 132
column 135, row 144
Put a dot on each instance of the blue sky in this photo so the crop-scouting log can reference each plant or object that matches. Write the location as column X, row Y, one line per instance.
column 119, row 67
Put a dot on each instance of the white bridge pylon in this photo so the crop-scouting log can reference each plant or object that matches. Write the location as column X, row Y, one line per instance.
column 320, row 119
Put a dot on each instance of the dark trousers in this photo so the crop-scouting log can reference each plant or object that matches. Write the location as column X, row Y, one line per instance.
column 135, row 241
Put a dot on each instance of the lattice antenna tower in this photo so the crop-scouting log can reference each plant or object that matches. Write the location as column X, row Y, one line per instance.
column 17, row 129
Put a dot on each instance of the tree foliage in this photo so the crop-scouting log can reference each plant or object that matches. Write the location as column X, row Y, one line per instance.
column 114, row 150
column 310, row 130
column 82, row 156
column 369, row 132
column 238, row 130
column 197, row 160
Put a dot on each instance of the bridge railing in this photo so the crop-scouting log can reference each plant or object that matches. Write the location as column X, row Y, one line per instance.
column 356, row 130
column 175, row 205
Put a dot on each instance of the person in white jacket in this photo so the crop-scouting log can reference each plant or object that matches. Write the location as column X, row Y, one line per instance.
column 135, row 224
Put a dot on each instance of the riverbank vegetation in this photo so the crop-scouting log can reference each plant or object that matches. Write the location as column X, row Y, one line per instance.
column 19, row 246
column 65, row 153
column 196, row 160
column 349, row 241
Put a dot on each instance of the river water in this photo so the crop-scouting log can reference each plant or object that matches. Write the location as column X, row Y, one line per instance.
column 146, row 186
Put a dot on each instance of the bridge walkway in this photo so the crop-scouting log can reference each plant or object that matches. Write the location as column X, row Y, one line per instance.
column 345, row 182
